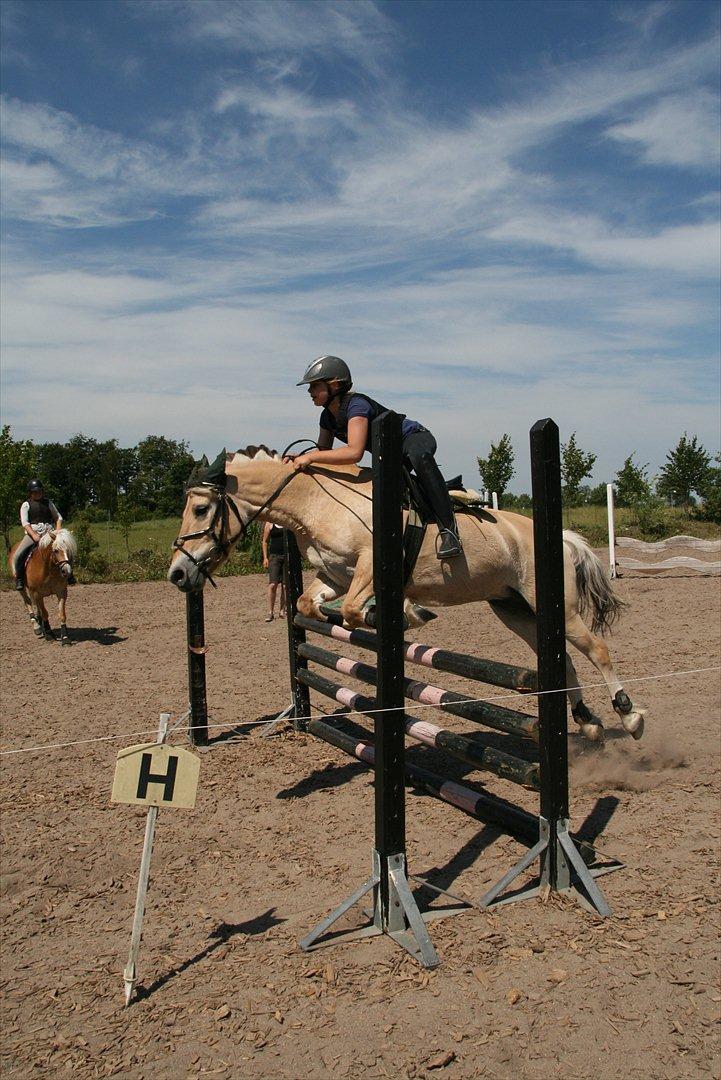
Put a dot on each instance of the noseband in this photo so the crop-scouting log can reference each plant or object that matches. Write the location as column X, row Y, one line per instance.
column 221, row 517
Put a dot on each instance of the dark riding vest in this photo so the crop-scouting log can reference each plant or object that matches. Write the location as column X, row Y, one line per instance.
column 39, row 512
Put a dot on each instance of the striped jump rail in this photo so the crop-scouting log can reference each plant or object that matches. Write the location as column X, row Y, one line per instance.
column 461, row 746
column 479, row 712
column 469, row 667
column 486, row 808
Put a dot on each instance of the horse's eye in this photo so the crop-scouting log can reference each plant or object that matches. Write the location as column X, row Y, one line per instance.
column 200, row 511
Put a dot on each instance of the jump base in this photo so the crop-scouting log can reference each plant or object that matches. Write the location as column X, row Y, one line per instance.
column 572, row 875
column 395, row 913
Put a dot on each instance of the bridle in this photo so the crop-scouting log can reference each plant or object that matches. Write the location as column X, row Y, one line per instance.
column 221, row 517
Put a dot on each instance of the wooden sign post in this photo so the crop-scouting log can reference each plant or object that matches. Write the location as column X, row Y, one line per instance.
column 152, row 775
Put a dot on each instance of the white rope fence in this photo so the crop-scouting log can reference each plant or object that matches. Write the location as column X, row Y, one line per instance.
column 409, row 707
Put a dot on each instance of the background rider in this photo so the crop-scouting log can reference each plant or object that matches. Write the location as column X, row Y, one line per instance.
column 38, row 515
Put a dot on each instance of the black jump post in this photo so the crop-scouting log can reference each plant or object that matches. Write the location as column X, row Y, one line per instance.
column 395, row 911
column 197, row 696
column 562, row 868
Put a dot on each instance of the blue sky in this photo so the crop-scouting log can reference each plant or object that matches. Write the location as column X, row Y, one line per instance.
column 493, row 211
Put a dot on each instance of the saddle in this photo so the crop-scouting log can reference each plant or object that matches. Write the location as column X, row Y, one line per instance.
column 420, row 514
column 26, row 557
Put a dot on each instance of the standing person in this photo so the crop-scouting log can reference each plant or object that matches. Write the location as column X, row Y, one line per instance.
column 274, row 562
column 38, row 515
column 347, row 416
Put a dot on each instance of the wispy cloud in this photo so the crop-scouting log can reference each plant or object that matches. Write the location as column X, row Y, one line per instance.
column 680, row 130
column 356, row 31
column 468, row 268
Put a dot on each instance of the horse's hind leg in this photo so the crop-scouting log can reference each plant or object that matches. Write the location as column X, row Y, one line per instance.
column 518, row 617
column 45, row 621
column 596, row 650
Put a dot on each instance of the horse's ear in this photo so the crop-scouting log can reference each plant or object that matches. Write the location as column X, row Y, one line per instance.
column 197, row 473
column 215, row 473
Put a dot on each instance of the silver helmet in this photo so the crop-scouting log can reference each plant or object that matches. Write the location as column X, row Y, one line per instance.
column 325, row 368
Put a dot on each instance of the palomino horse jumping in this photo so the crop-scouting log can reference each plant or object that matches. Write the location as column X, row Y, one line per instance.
column 329, row 510
column 46, row 574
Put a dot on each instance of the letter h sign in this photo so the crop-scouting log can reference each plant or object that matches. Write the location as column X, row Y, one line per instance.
column 156, row 775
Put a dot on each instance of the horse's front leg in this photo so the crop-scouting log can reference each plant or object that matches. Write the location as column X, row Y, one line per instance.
column 360, row 590
column 320, row 591
column 64, row 637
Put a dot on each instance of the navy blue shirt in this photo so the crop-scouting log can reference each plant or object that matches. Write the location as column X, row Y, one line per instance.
column 353, row 404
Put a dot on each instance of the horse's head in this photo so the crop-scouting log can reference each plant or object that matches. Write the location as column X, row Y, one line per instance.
column 63, row 549
column 213, row 521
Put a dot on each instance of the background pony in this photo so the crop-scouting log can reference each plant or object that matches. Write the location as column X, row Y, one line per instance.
column 47, row 570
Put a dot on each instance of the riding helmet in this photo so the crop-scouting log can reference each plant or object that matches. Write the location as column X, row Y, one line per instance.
column 35, row 485
column 325, row 368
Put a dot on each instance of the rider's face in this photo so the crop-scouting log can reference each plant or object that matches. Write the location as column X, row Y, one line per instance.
column 37, row 494
column 319, row 393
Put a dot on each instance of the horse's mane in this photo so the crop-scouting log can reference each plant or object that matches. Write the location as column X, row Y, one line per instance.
column 62, row 539
column 253, row 452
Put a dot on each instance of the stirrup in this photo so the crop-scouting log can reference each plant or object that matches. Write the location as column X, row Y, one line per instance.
column 448, row 545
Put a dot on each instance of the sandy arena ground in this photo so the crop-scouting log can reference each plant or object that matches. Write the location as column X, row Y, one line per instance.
column 283, row 830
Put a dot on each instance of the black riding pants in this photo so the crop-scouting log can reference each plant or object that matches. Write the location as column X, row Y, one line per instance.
column 418, row 451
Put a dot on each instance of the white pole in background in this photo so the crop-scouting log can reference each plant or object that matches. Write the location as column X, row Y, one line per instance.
column 611, row 531
column 494, row 499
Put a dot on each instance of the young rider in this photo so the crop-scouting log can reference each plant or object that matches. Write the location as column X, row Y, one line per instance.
column 38, row 515
column 347, row 416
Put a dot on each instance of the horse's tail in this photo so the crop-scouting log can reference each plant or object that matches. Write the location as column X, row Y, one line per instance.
column 594, row 586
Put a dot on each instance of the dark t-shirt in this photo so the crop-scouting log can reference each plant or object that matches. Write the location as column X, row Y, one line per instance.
column 276, row 544
column 360, row 405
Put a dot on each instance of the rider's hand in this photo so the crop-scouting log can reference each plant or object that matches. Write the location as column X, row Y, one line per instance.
column 266, row 562
column 303, row 460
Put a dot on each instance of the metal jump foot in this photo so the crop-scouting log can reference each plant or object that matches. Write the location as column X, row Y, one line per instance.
column 401, row 920
column 572, row 877
column 272, row 727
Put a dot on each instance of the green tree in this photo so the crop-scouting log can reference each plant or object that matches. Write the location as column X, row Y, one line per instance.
column 632, row 485
column 685, row 472
column 17, row 466
column 576, row 465
column 497, row 469
column 125, row 515
column 596, row 495
column 163, row 468
column 710, row 492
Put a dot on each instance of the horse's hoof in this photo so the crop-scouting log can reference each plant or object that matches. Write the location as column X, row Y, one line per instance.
column 593, row 732
column 633, row 723
column 419, row 616
column 37, row 630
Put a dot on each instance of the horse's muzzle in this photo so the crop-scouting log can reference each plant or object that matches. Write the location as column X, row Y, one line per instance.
column 185, row 576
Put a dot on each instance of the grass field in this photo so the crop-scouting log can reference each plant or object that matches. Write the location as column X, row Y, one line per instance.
column 156, row 535
column 146, row 554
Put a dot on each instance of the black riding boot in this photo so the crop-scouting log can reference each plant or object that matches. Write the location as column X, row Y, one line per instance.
column 435, row 488
column 20, row 583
